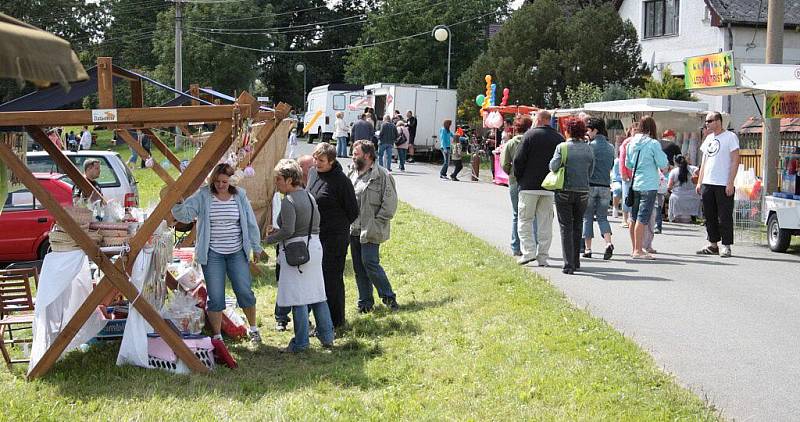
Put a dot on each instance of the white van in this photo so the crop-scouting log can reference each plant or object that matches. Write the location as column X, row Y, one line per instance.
column 331, row 99
column 116, row 180
column 430, row 104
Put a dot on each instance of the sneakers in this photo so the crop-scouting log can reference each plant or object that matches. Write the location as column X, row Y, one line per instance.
column 443, row 177
column 523, row 261
column 255, row 338
column 391, row 303
column 453, row 178
column 725, row 251
column 281, row 325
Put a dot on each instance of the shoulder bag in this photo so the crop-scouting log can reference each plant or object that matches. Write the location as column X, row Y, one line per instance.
column 629, row 196
column 555, row 180
column 296, row 253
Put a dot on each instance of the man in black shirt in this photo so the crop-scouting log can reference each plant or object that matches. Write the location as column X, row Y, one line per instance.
column 411, row 124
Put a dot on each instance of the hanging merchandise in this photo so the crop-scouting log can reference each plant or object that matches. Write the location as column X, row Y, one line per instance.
column 18, row 143
column 249, row 171
column 493, row 120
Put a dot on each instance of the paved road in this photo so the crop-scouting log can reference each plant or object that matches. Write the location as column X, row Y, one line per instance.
column 727, row 328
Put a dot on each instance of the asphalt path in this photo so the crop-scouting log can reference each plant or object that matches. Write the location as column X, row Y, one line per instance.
column 727, row 328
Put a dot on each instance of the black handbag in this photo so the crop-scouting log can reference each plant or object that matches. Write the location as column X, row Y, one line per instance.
column 629, row 196
column 296, row 253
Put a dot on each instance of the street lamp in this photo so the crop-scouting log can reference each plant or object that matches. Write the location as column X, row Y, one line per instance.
column 300, row 67
column 442, row 33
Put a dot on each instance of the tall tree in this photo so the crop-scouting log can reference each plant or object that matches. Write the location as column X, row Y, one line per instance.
column 540, row 51
column 421, row 59
column 129, row 32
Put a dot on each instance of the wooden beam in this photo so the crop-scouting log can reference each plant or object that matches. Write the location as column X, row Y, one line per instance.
column 194, row 91
column 62, row 162
column 105, row 83
column 113, row 274
column 163, row 148
column 246, row 98
column 281, row 112
column 148, row 116
column 198, row 168
column 137, row 94
column 133, row 143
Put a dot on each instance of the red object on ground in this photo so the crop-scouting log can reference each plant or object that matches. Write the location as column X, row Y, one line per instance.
column 222, row 355
column 233, row 329
column 25, row 223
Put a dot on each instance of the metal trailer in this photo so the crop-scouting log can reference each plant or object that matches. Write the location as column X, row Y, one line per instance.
column 430, row 104
column 330, row 99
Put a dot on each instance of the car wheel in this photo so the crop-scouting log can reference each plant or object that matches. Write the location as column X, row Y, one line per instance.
column 44, row 248
column 777, row 237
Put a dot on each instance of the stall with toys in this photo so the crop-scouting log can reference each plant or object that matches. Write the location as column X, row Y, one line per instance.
column 495, row 119
column 130, row 249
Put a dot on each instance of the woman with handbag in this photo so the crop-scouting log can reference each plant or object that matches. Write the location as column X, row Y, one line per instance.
column 301, row 283
column 576, row 160
column 645, row 156
column 227, row 233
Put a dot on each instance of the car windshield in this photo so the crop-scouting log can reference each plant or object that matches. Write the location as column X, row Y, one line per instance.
column 44, row 164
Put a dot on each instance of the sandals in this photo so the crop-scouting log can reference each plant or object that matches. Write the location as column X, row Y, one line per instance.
column 609, row 252
column 709, row 250
column 644, row 256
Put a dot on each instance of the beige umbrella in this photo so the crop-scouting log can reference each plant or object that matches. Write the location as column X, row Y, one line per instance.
column 29, row 53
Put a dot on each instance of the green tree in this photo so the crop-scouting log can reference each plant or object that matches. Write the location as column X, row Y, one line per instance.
column 669, row 87
column 540, row 51
column 577, row 96
column 421, row 59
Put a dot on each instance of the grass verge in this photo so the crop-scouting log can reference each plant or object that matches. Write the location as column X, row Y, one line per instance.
column 477, row 338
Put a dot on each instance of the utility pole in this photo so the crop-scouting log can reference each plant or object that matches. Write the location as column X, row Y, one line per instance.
column 178, row 47
column 771, row 135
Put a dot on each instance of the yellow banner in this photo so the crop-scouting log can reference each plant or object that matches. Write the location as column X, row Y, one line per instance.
column 782, row 105
column 711, row 70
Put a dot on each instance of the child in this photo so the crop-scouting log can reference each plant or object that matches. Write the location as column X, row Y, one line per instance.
column 456, row 156
column 292, row 143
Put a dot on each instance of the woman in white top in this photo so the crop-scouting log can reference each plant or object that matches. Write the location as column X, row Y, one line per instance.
column 227, row 234
column 402, row 144
column 684, row 203
column 340, row 134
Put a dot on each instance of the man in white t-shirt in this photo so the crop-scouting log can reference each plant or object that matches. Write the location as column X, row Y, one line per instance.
column 86, row 138
column 717, row 171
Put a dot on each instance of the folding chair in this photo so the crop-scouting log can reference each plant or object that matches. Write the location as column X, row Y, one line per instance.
column 16, row 308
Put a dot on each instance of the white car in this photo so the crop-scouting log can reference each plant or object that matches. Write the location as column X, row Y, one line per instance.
column 116, row 180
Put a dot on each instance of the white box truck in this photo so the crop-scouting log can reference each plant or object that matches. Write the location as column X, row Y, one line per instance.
column 430, row 104
column 331, row 99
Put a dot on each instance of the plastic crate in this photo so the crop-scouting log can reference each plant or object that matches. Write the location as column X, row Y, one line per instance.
column 160, row 356
column 178, row 367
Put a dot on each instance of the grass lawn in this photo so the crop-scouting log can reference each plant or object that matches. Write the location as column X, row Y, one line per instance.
column 476, row 338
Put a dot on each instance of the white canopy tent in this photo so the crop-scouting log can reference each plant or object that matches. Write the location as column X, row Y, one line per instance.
column 680, row 116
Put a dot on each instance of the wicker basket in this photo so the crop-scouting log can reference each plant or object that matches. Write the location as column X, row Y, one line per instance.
column 82, row 216
column 114, row 241
column 62, row 242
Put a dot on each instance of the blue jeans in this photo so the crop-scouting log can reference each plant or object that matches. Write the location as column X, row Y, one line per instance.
column 369, row 272
column 659, row 210
column 385, row 156
column 597, row 206
column 341, row 146
column 237, row 268
column 324, row 325
column 643, row 204
column 446, row 164
column 401, row 157
column 513, row 192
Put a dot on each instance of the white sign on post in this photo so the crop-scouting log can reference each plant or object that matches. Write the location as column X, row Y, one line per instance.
column 104, row 115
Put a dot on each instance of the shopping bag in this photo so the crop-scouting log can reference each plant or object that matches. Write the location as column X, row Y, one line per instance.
column 555, row 179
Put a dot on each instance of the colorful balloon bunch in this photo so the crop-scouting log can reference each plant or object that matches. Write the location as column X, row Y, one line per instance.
column 489, row 99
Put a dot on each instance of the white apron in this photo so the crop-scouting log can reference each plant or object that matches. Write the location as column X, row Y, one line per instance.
column 295, row 288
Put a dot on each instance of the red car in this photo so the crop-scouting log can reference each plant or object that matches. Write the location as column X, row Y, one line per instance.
column 25, row 223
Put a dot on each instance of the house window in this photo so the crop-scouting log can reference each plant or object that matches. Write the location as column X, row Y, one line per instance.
column 661, row 18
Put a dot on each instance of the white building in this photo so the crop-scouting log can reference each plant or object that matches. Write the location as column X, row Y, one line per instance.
column 671, row 30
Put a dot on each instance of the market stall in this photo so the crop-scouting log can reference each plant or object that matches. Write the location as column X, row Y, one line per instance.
column 115, row 274
column 497, row 121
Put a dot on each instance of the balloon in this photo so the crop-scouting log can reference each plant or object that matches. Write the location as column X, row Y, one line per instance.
column 149, row 163
column 494, row 90
column 479, row 99
column 488, row 79
column 506, row 91
column 311, row 122
column 504, row 101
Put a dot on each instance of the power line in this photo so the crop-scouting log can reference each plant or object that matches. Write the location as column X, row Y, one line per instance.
column 256, row 17
column 330, row 50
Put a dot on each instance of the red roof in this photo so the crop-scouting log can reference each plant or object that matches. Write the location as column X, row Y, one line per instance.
column 753, row 125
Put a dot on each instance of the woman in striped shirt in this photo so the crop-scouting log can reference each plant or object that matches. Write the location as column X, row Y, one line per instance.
column 227, row 235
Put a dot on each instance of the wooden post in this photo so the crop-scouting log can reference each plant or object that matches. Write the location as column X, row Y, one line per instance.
column 163, row 148
column 105, row 83
column 62, row 162
column 113, row 275
column 281, row 112
column 137, row 94
column 194, row 91
column 133, row 143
